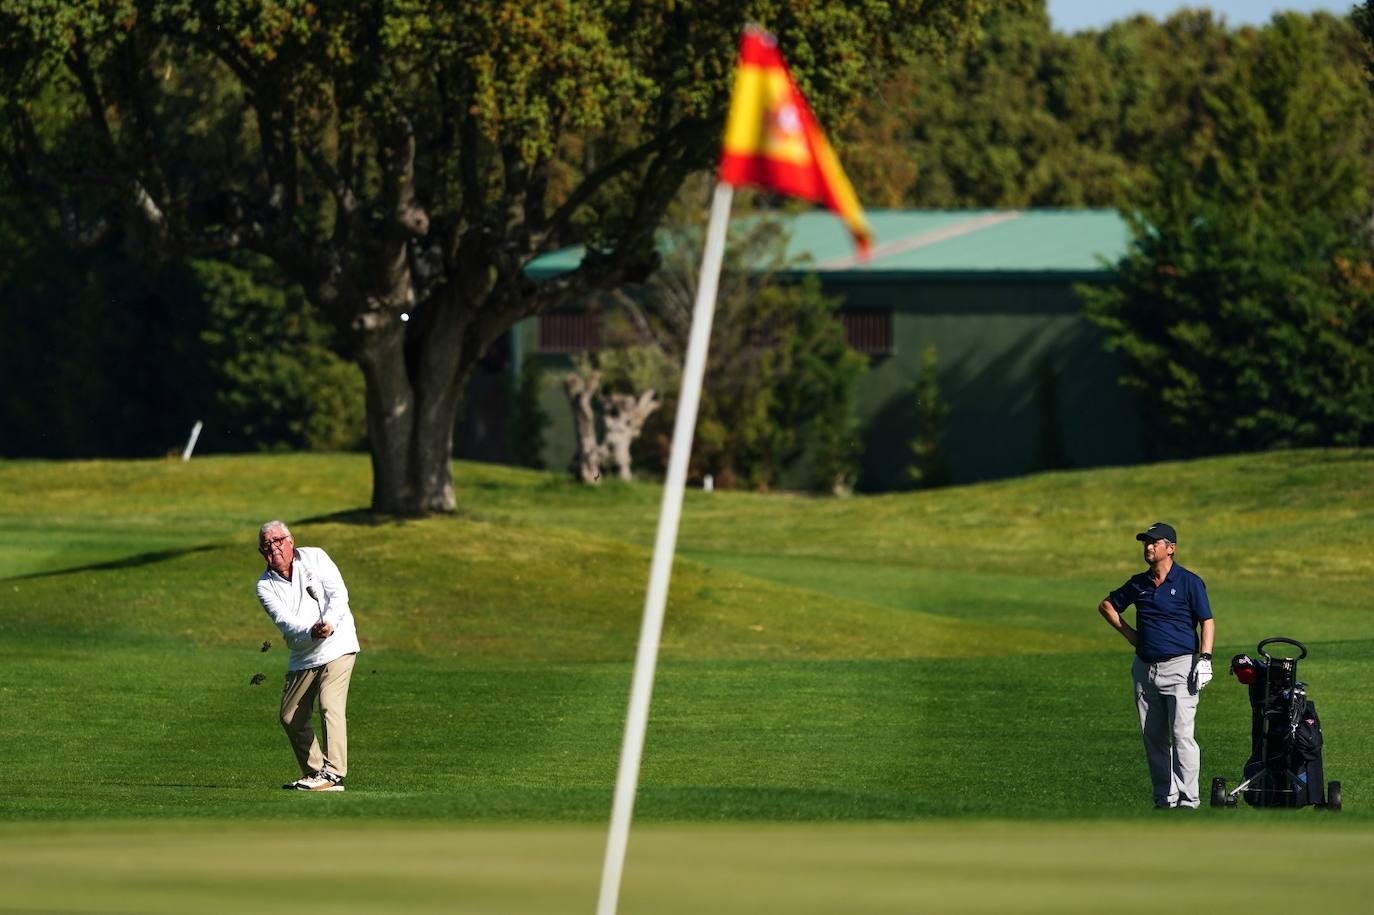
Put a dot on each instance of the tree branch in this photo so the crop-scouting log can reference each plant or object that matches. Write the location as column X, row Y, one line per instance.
column 330, row 177
column 404, row 218
column 131, row 189
column 286, row 192
column 473, row 205
column 556, row 235
column 80, row 65
column 79, row 236
column 129, row 72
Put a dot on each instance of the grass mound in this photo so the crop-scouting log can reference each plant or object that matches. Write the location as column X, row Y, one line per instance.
column 923, row 659
column 881, row 657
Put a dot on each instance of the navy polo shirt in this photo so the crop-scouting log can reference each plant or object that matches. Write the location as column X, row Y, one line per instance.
column 1166, row 618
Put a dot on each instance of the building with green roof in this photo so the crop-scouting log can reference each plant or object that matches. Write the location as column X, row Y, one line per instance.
column 1026, row 378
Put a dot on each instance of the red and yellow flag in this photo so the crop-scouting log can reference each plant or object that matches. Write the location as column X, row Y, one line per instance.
column 772, row 139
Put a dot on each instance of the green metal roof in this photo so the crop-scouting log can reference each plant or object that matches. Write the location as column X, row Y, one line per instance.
column 968, row 241
column 547, row 265
column 962, row 242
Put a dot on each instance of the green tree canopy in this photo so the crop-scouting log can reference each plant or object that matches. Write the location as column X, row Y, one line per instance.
column 404, row 161
column 111, row 357
column 1031, row 117
column 1246, row 306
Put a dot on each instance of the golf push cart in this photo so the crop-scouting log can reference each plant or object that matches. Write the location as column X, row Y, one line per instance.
column 1285, row 765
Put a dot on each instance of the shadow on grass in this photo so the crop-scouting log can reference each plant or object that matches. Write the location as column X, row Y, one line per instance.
column 362, row 517
column 128, row 562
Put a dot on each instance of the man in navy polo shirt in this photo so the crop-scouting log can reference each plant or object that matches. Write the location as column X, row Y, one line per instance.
column 1171, row 664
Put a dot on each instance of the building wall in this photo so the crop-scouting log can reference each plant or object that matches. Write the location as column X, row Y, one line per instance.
column 559, row 438
column 1018, row 366
column 483, row 430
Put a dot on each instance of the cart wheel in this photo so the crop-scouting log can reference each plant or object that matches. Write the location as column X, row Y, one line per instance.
column 1218, row 792
column 1333, row 796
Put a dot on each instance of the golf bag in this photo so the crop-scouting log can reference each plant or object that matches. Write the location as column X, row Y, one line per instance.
column 1285, row 764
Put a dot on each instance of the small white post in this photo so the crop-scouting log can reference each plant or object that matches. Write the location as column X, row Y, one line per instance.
column 650, row 633
column 191, row 442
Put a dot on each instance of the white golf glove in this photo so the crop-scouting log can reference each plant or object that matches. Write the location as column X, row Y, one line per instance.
column 1202, row 674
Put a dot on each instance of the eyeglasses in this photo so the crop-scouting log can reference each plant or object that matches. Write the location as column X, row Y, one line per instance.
column 271, row 542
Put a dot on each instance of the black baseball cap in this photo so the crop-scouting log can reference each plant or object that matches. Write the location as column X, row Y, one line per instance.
column 1158, row 531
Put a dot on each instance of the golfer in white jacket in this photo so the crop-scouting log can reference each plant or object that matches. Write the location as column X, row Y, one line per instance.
column 304, row 594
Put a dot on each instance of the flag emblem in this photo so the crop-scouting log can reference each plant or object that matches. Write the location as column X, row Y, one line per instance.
column 773, row 141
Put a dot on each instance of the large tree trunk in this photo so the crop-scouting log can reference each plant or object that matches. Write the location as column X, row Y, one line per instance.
column 412, row 440
column 432, row 454
column 414, row 395
column 439, row 396
column 390, row 420
column 443, row 364
column 411, row 428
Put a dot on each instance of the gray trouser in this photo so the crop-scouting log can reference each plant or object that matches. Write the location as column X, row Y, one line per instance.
column 1167, row 707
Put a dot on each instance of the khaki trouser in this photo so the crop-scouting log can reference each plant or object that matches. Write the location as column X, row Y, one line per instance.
column 330, row 683
column 1168, row 706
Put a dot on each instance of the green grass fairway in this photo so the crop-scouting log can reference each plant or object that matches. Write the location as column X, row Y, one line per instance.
column 744, row 869
column 876, row 704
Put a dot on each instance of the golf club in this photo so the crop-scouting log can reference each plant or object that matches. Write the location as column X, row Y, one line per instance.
column 314, row 595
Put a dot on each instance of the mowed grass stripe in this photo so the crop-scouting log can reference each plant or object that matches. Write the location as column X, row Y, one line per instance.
column 66, row 514
column 824, row 659
column 684, row 870
column 1309, row 513
column 827, row 664
column 1027, row 600
column 145, row 733
column 1274, row 514
column 456, row 587
column 1038, row 598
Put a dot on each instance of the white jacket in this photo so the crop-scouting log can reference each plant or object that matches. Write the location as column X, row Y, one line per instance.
column 294, row 611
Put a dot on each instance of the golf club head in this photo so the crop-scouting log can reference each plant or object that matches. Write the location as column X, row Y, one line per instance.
column 315, row 596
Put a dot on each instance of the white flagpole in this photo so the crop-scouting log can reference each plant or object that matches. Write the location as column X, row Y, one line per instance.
column 693, row 370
